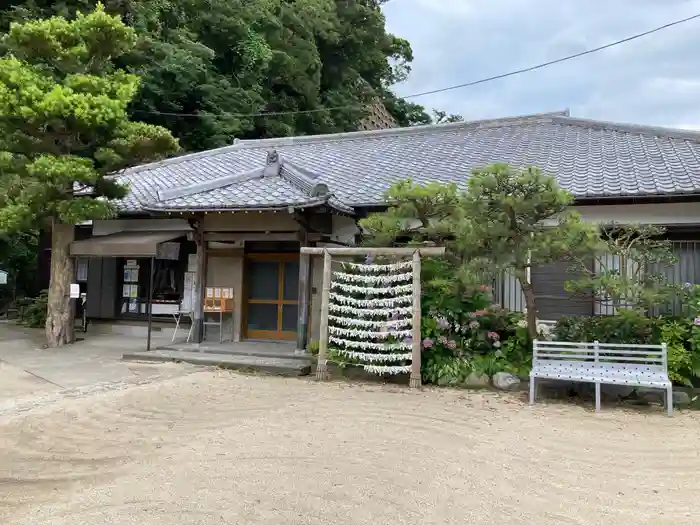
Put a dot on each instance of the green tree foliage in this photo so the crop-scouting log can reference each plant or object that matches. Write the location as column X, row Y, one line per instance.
column 19, row 253
column 223, row 59
column 517, row 219
column 630, row 268
column 423, row 214
column 442, row 117
column 64, row 128
column 506, row 220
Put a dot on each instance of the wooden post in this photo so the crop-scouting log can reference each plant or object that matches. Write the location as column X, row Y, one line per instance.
column 322, row 367
column 150, row 303
column 304, row 296
column 200, row 278
column 415, row 381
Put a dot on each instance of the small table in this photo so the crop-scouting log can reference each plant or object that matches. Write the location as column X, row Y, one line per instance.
column 219, row 322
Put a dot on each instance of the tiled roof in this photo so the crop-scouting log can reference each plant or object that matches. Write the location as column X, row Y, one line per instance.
column 591, row 159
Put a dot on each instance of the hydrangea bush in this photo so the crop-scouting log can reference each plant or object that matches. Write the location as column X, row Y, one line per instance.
column 471, row 335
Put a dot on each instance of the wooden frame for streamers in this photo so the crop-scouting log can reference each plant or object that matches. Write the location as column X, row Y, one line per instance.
column 415, row 254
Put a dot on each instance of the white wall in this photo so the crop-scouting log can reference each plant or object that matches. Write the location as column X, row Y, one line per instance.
column 666, row 213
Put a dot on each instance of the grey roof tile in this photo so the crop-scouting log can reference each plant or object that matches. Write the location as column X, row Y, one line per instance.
column 588, row 158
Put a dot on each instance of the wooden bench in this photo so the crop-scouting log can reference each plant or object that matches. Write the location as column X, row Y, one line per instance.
column 602, row 363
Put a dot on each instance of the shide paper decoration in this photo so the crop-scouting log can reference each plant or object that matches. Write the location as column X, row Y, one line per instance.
column 370, row 316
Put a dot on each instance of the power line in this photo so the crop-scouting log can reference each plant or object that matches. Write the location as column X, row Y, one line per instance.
column 440, row 90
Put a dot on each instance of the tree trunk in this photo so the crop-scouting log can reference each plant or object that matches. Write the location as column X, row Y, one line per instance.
column 531, row 310
column 59, row 315
column 530, row 303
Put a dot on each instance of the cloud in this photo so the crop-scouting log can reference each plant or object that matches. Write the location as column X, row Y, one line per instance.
column 653, row 80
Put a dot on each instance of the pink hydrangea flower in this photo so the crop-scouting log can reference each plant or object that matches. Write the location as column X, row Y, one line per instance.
column 493, row 336
column 452, row 345
column 428, row 343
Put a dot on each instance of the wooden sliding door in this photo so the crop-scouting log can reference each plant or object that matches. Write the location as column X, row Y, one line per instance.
column 271, row 299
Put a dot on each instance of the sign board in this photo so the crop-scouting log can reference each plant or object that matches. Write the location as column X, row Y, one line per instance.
column 74, row 291
column 168, row 250
column 3, row 277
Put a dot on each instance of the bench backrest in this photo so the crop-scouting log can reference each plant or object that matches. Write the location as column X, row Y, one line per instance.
column 601, row 354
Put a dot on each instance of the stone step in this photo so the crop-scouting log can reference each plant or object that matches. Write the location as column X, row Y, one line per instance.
column 268, row 350
column 270, row 365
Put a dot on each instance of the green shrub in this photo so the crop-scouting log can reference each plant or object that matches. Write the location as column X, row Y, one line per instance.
column 464, row 334
column 312, row 348
column 444, row 370
column 32, row 312
column 627, row 327
column 681, row 335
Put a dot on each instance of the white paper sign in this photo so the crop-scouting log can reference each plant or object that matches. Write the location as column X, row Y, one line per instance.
column 3, row 277
column 74, row 291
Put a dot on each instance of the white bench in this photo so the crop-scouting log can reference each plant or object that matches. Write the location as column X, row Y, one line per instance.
column 602, row 363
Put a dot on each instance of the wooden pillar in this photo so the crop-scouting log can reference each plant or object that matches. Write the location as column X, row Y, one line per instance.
column 304, row 298
column 200, row 278
column 304, row 292
column 415, row 381
column 322, row 367
column 152, row 273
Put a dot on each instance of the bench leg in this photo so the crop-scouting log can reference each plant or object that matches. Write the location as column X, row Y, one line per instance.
column 669, row 401
column 532, row 390
column 597, row 397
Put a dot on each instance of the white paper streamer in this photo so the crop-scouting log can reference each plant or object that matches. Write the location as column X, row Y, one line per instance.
column 387, row 370
column 376, row 358
column 372, row 303
column 370, row 312
column 394, row 290
column 361, row 328
column 365, row 334
column 366, row 345
column 380, row 268
column 387, row 279
column 381, row 325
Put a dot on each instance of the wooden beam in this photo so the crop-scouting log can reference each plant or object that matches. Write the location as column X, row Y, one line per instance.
column 415, row 381
column 254, row 236
column 322, row 366
column 200, row 278
column 396, row 252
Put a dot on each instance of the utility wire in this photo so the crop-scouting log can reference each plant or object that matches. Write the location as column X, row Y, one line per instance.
column 440, row 90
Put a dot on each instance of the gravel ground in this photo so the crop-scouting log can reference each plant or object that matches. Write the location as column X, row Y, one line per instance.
column 219, row 448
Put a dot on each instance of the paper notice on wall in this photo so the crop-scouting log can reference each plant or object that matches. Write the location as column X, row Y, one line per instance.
column 75, row 291
column 192, row 262
column 188, row 293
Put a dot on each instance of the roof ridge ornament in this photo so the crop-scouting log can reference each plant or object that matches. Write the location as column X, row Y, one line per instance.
column 273, row 164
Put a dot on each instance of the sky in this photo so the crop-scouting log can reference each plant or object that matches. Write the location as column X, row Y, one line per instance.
column 654, row 80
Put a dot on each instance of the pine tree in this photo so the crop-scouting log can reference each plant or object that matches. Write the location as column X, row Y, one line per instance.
column 64, row 129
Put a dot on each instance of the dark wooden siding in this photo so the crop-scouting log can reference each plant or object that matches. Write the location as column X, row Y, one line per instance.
column 553, row 301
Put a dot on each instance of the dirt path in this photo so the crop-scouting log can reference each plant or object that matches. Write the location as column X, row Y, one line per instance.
column 219, row 448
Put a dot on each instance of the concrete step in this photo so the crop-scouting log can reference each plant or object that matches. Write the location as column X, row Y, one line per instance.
column 266, row 350
column 270, row 365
